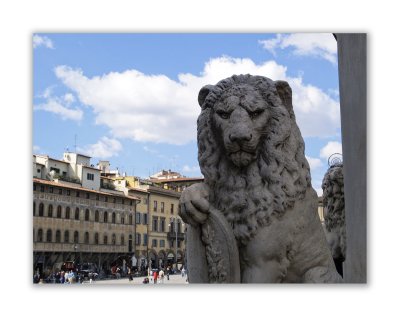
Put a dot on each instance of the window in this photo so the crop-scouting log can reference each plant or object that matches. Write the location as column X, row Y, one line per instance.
column 51, row 189
column 145, row 201
column 68, row 192
column 87, row 195
column 123, row 201
column 130, row 219
column 172, row 209
column 40, row 235
column 41, row 210
column 145, row 219
column 87, row 215
column 78, row 194
column 155, row 224
column 162, row 206
column 105, row 239
column 67, row 213
column 58, row 236
column 162, row 243
column 113, row 217
column 90, row 176
column 96, row 238
column 106, row 199
column 114, row 239
column 86, row 237
column 64, row 173
column 96, row 216
column 77, row 213
column 123, row 219
column 42, row 188
column 38, row 170
column 34, row 186
column 60, row 191
column 179, row 243
column 34, row 208
column 97, row 197
column 138, row 215
column 145, row 239
column 131, row 202
column 154, row 243
column 155, row 205
column 49, row 235
column 57, row 170
column 114, row 200
column 162, row 224
column 138, row 238
column 105, row 217
column 50, row 211
column 76, row 237
column 66, row 236
column 59, row 211
column 122, row 239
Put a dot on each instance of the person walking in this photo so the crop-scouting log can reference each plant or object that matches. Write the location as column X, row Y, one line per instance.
column 168, row 272
column 161, row 276
column 155, row 275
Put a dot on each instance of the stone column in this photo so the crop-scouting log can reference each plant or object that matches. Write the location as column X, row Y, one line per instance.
column 352, row 56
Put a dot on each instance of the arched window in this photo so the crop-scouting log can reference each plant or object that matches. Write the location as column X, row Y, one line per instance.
column 34, row 209
column 114, row 239
column 106, row 217
column 76, row 237
column 77, row 213
column 50, row 211
column 130, row 219
column 96, row 238
column 67, row 213
column 66, row 236
column 113, row 217
column 122, row 239
column 58, row 236
column 41, row 210
column 49, row 235
column 87, row 215
column 96, row 216
column 123, row 219
column 86, row 237
column 40, row 235
column 59, row 211
column 105, row 239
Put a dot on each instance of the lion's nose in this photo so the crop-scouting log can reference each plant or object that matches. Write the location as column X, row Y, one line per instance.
column 240, row 137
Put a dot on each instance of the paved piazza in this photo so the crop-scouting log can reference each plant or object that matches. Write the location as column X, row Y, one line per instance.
column 173, row 280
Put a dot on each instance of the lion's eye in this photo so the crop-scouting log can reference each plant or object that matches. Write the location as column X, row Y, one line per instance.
column 223, row 114
column 255, row 114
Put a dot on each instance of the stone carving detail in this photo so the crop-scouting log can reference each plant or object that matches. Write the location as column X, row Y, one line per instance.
column 257, row 193
column 334, row 214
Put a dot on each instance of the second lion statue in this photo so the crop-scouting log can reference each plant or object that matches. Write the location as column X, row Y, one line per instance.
column 254, row 219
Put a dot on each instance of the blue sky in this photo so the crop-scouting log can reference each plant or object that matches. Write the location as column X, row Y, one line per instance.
column 132, row 98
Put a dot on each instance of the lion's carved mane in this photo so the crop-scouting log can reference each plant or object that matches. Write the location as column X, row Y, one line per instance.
column 250, row 198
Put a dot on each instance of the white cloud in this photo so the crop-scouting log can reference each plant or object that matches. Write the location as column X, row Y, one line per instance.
column 191, row 169
column 321, row 45
column 330, row 148
column 42, row 41
column 59, row 106
column 314, row 163
column 156, row 108
column 104, row 148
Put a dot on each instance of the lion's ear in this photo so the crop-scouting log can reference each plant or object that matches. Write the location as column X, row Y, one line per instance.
column 285, row 93
column 203, row 94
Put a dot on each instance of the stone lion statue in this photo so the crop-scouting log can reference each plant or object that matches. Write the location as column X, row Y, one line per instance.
column 254, row 219
column 334, row 214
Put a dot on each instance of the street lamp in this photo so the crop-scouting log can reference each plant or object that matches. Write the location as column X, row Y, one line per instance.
column 175, row 221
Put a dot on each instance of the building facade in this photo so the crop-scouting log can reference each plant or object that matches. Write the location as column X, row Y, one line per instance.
column 75, row 219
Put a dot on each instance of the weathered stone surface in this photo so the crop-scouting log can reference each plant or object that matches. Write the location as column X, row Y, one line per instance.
column 334, row 214
column 251, row 154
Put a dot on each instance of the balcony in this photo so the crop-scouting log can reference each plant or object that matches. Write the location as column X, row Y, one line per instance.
column 172, row 235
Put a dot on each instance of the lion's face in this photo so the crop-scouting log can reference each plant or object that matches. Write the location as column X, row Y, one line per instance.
column 240, row 119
